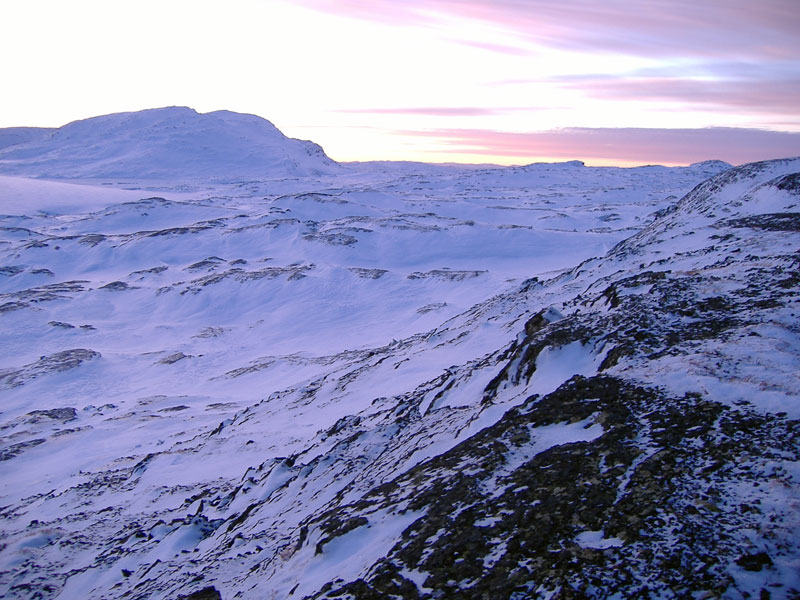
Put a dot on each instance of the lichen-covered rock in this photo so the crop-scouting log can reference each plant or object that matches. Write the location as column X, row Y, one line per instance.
column 207, row 593
column 653, row 505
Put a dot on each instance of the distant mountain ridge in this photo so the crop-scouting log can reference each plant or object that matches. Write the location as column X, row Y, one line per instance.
column 160, row 143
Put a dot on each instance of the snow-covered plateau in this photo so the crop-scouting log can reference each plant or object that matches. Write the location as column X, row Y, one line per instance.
column 234, row 368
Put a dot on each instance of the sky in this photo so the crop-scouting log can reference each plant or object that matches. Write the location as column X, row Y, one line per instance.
column 617, row 82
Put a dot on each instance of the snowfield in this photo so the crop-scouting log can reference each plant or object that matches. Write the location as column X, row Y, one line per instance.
column 233, row 368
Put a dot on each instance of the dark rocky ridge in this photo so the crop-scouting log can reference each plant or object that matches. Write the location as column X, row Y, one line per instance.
column 660, row 482
column 677, row 483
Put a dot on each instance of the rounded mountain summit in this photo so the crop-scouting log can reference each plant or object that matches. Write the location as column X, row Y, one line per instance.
column 159, row 143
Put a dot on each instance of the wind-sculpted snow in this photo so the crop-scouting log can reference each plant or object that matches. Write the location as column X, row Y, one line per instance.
column 405, row 381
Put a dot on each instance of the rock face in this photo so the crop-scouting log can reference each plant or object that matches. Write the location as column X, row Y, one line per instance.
column 174, row 142
column 598, row 489
column 627, row 428
column 60, row 361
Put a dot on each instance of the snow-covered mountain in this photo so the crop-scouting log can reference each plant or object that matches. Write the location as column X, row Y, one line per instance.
column 163, row 143
column 398, row 380
column 11, row 136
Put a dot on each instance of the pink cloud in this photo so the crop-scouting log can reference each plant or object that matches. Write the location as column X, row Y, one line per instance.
column 435, row 111
column 733, row 28
column 501, row 48
column 777, row 96
column 624, row 145
column 440, row 111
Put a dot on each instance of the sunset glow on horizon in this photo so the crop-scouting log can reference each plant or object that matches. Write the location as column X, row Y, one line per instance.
column 500, row 81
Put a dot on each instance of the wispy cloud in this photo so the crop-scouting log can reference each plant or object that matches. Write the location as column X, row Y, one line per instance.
column 743, row 87
column 434, row 111
column 439, row 111
column 758, row 96
column 659, row 28
column 493, row 47
column 613, row 63
column 659, row 146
